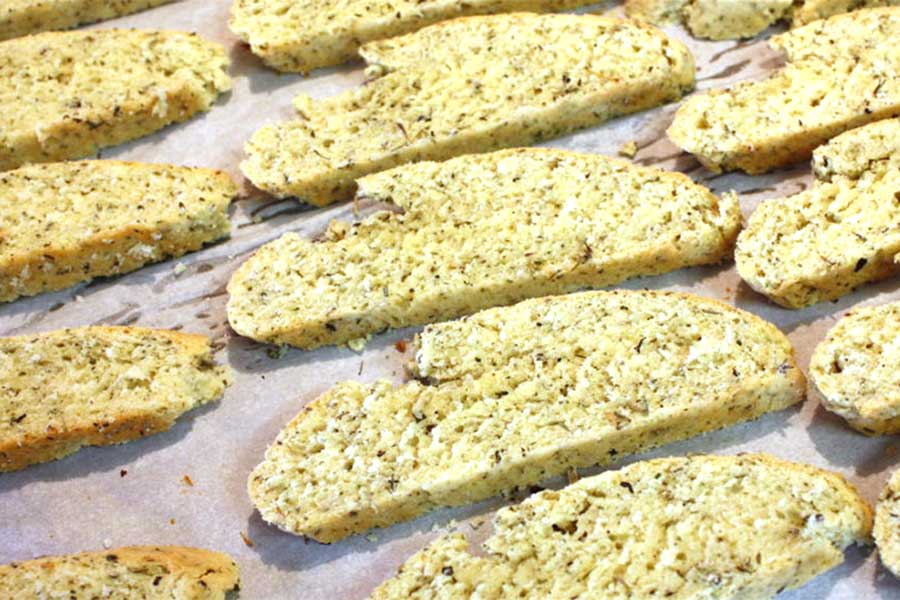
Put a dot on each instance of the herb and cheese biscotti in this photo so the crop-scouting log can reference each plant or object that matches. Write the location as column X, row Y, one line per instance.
column 301, row 35
column 844, row 231
column 473, row 84
column 478, row 231
column 66, row 95
column 148, row 572
column 95, row 386
column 513, row 395
column 887, row 524
column 22, row 17
column 854, row 370
column 63, row 223
column 723, row 527
column 733, row 19
column 841, row 73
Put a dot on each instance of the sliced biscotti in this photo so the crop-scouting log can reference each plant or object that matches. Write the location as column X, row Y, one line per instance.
column 149, row 572
column 887, row 524
column 854, row 370
column 301, row 35
column 844, row 231
column 723, row 527
column 22, row 17
column 808, row 11
column 95, row 386
column 478, row 231
column 63, row 223
column 66, row 95
column 513, row 395
column 842, row 72
column 713, row 19
column 473, row 84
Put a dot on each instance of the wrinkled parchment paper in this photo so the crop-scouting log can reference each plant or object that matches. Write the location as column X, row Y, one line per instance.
column 137, row 493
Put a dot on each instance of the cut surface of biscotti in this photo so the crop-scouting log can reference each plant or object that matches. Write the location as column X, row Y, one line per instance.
column 148, row 572
column 511, row 396
column 712, row 19
column 808, row 11
column 301, row 35
column 63, row 223
column 478, row 231
column 841, row 73
column 23, row 17
column 472, row 84
column 95, row 386
column 854, row 370
column 887, row 524
column 725, row 527
column 841, row 233
column 68, row 94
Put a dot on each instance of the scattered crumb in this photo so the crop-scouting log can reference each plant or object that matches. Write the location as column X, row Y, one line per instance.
column 572, row 476
column 277, row 352
column 188, row 480
column 372, row 537
column 400, row 346
column 171, row 521
column 357, row 344
column 361, row 363
column 107, row 543
column 247, row 541
column 476, row 525
column 628, row 149
column 179, row 269
column 123, row 472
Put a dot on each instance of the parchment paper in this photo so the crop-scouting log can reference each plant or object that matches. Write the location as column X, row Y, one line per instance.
column 137, row 493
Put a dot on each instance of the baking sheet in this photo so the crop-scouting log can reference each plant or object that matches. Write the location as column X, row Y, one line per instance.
column 137, row 493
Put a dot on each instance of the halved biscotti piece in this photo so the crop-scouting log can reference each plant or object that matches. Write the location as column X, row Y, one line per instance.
column 887, row 524
column 478, row 231
column 149, row 572
column 854, row 370
column 713, row 19
column 95, row 386
column 66, row 95
column 841, row 233
column 63, row 223
column 842, row 72
column 22, row 17
column 722, row 527
column 513, row 395
column 473, row 84
column 298, row 36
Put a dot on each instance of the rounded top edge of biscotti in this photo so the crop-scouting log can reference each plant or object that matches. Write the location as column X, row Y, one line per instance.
column 77, row 34
column 101, row 163
column 194, row 342
column 783, row 40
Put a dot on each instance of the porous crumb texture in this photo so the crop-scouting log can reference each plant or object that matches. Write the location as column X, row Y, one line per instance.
column 148, row 572
column 478, row 231
column 301, row 35
column 736, row 19
column 95, row 386
column 724, row 527
column 841, row 73
column 64, row 223
column 513, row 395
column 887, row 524
column 22, row 17
column 472, row 84
column 854, row 370
column 66, row 95
column 841, row 233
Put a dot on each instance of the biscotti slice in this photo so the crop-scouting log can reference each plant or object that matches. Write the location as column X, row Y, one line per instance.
column 22, row 17
column 725, row 527
column 301, row 35
column 478, row 231
column 887, row 524
column 148, row 572
column 841, row 233
column 842, row 72
column 63, row 223
column 95, row 386
column 473, row 84
column 713, row 19
column 66, row 95
column 808, row 11
column 513, row 395
column 854, row 370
